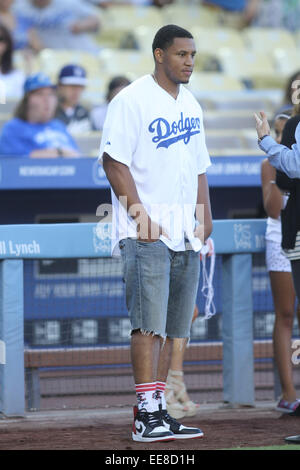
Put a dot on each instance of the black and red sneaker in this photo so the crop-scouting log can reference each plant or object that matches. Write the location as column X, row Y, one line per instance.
column 148, row 427
column 179, row 430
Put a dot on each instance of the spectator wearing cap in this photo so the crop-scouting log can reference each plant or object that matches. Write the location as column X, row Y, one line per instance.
column 71, row 84
column 98, row 113
column 34, row 132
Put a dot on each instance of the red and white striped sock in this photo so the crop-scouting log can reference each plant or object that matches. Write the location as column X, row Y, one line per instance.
column 160, row 394
column 146, row 396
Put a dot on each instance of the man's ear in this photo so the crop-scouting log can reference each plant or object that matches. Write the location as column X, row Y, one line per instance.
column 158, row 54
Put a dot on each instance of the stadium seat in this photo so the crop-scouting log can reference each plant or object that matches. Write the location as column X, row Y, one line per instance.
column 221, row 120
column 50, row 61
column 229, row 143
column 8, row 108
column 96, row 89
column 119, row 25
column 143, row 36
column 89, row 143
column 231, row 101
column 213, row 39
column 188, row 16
column 126, row 62
column 297, row 37
column 287, row 61
column 249, row 137
column 256, row 68
column 221, row 139
column 117, row 38
column 236, row 152
column 25, row 63
column 130, row 16
column 268, row 38
column 213, row 82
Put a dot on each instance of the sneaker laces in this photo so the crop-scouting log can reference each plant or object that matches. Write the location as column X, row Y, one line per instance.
column 169, row 419
column 154, row 418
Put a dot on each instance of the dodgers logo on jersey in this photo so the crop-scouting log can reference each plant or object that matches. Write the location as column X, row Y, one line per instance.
column 167, row 134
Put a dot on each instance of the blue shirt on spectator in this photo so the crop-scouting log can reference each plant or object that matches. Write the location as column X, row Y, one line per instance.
column 233, row 5
column 54, row 21
column 19, row 138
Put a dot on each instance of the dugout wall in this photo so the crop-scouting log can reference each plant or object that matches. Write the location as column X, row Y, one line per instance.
column 236, row 242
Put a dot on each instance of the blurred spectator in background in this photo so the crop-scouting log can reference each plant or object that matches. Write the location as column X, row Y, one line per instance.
column 98, row 113
column 290, row 94
column 239, row 13
column 161, row 3
column 34, row 132
column 107, row 3
column 279, row 14
column 11, row 78
column 24, row 36
column 60, row 24
column 71, row 84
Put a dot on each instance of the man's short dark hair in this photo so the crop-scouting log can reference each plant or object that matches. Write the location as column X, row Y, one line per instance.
column 165, row 36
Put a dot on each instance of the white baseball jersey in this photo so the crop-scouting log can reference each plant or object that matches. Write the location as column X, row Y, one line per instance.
column 162, row 141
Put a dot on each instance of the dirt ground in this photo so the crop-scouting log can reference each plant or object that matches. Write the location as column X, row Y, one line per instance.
column 110, row 429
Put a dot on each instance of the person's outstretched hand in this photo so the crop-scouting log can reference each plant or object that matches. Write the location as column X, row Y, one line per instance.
column 262, row 125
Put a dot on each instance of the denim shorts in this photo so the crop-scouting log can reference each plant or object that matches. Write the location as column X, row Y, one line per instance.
column 161, row 287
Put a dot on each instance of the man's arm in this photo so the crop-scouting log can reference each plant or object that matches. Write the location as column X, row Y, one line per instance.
column 203, row 210
column 54, row 153
column 251, row 10
column 124, row 187
column 272, row 197
column 279, row 156
column 90, row 24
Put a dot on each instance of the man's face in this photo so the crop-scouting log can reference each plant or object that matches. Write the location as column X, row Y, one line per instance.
column 178, row 60
column 70, row 94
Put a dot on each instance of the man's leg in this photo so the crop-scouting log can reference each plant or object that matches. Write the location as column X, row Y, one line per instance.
column 146, row 274
column 144, row 356
column 184, row 280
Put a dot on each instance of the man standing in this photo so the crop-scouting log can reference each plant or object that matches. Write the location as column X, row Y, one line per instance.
column 154, row 154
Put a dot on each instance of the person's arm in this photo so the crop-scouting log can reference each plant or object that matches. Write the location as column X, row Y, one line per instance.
column 34, row 41
column 288, row 139
column 203, row 210
column 272, row 197
column 54, row 153
column 124, row 187
column 279, row 156
column 87, row 25
column 251, row 11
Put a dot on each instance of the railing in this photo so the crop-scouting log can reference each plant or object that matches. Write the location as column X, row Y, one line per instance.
column 235, row 240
